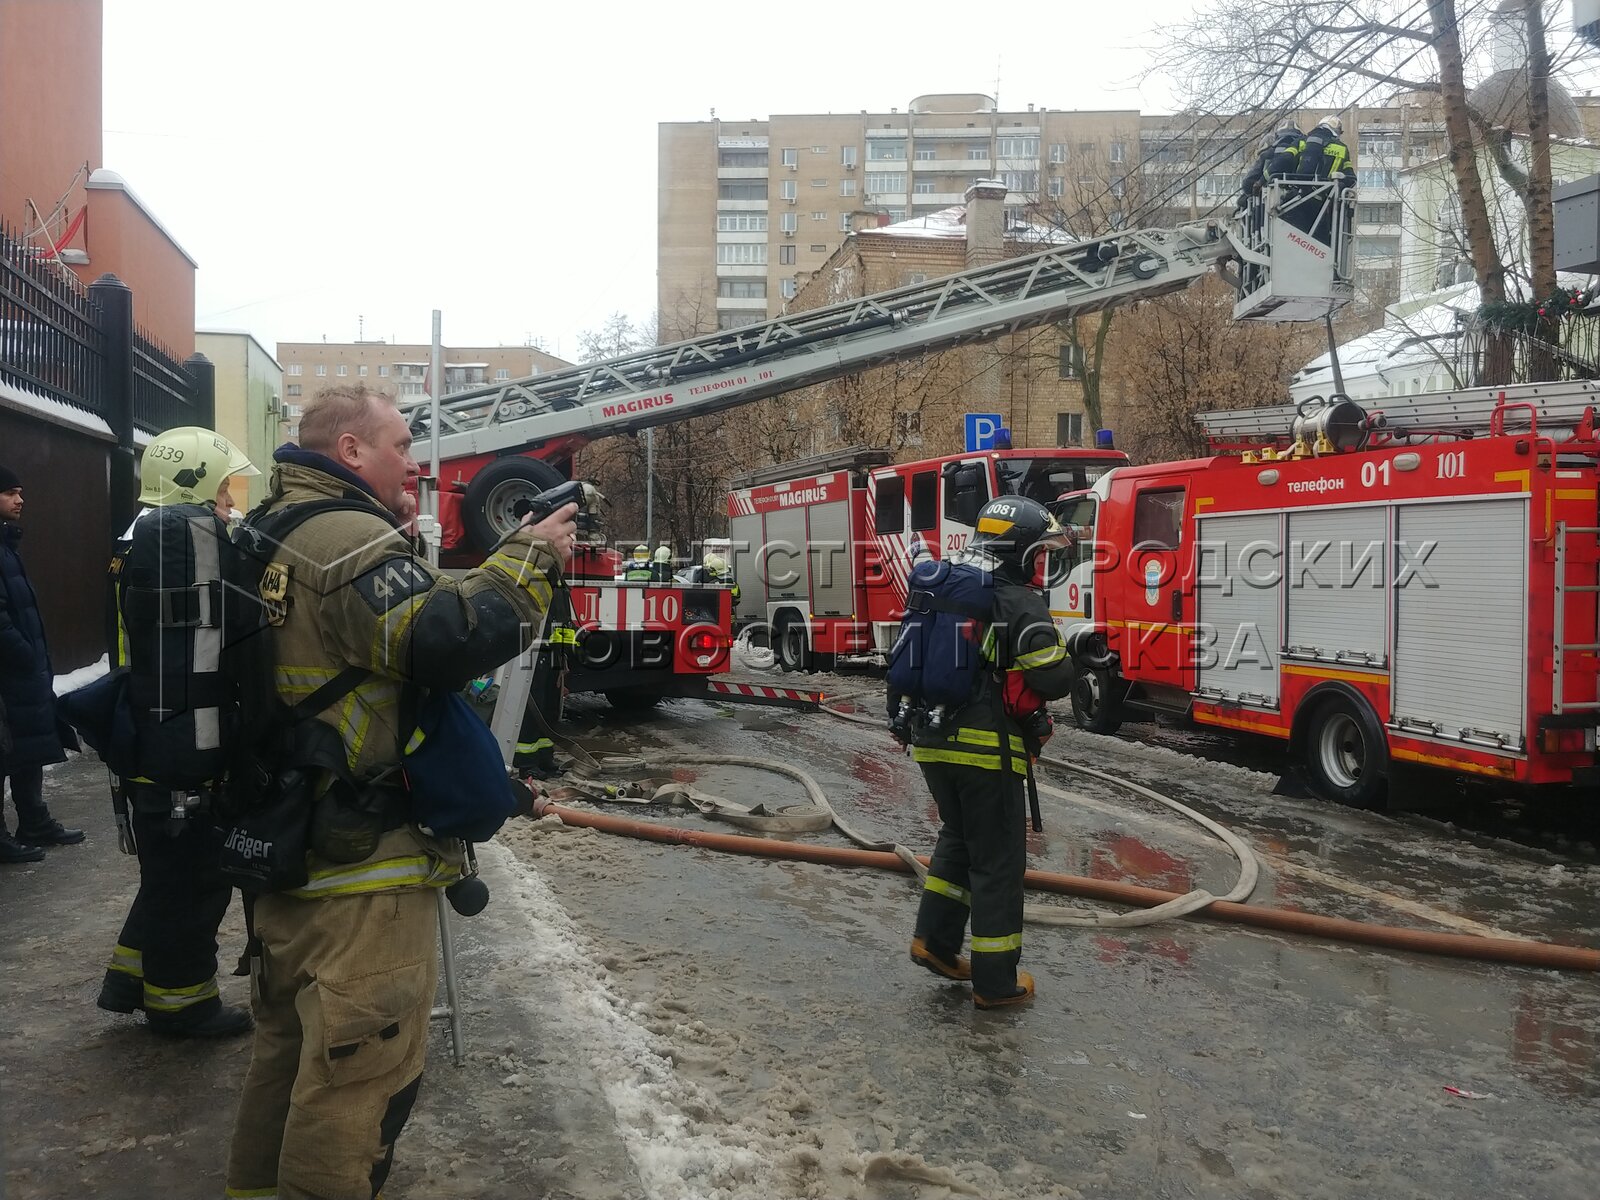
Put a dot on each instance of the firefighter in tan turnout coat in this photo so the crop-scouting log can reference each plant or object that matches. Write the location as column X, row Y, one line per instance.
column 345, row 980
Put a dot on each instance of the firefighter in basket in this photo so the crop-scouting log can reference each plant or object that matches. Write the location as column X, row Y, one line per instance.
column 977, row 657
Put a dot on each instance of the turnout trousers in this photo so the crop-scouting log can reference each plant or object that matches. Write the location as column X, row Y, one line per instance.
column 169, row 940
column 976, row 871
column 342, row 993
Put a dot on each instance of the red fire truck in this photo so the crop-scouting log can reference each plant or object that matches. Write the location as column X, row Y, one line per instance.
column 1411, row 586
column 499, row 445
column 822, row 548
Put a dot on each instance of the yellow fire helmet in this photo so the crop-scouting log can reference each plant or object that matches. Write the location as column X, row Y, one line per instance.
column 187, row 465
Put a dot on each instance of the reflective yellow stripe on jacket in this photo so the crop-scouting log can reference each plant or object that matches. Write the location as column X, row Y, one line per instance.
column 987, row 758
column 386, row 874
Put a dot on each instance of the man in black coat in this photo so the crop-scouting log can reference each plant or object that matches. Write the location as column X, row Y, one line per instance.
column 28, row 697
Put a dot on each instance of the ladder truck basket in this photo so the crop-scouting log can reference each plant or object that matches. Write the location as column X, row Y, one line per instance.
column 1294, row 250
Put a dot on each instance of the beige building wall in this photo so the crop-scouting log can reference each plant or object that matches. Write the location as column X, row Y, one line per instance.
column 250, row 410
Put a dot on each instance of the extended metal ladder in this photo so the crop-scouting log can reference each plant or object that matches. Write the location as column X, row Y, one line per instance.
column 1559, row 408
column 721, row 370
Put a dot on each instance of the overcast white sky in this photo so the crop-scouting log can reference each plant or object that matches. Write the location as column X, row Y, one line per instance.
column 496, row 159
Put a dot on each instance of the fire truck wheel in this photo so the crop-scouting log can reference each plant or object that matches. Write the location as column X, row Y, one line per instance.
column 1097, row 700
column 633, row 699
column 497, row 496
column 792, row 646
column 1346, row 758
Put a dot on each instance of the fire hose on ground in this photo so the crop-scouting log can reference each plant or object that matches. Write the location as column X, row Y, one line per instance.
column 1154, row 904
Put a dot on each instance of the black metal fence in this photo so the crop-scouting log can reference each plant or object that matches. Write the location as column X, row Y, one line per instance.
column 1489, row 355
column 50, row 329
column 64, row 341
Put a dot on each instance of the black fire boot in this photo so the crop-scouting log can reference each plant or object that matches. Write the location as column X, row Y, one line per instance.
column 219, row 1022
column 53, row 834
column 121, row 993
column 13, row 851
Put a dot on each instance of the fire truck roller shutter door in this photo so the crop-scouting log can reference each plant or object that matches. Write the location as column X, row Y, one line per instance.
column 829, row 552
column 497, row 496
column 1338, row 576
column 1461, row 643
column 745, row 533
column 1238, row 629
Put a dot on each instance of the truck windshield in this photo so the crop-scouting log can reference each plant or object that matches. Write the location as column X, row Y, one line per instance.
column 1044, row 479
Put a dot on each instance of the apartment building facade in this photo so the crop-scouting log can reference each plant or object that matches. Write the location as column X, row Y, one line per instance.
column 748, row 210
column 401, row 369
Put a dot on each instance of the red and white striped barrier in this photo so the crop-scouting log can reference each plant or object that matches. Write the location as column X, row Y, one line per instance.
column 760, row 693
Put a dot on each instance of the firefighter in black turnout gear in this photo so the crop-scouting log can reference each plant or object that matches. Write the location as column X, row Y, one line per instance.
column 169, row 636
column 976, row 779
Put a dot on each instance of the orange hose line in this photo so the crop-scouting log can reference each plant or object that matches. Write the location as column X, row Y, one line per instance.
column 1420, row 941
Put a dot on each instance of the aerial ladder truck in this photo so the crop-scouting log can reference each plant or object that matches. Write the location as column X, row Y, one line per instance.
column 500, row 446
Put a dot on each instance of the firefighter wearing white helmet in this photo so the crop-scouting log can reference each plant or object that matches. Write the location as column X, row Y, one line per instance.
column 164, row 962
column 638, row 569
column 976, row 873
column 661, row 565
column 1327, row 157
column 189, row 465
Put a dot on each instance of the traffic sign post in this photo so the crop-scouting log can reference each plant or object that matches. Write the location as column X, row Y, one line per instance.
column 982, row 430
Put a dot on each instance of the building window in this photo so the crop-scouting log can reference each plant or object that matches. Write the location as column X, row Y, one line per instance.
column 741, row 189
column 741, row 222
column 1116, row 188
column 886, row 150
column 819, row 216
column 896, row 214
column 791, row 157
column 908, row 429
column 1016, row 215
column 294, row 389
column 847, row 156
column 1374, row 145
column 732, row 320
column 786, row 256
column 880, row 182
column 844, row 222
column 925, row 154
column 1377, row 214
column 343, row 370
column 1380, row 178
column 818, row 248
column 383, row 372
column 788, row 288
column 789, row 189
column 912, row 278
column 362, row 370
column 819, row 183
column 322, row 371
column 1086, row 150
column 819, row 149
column 922, row 187
column 294, row 369
column 741, row 158
column 1119, row 151
column 742, row 289
column 788, row 222
column 501, row 374
column 1058, row 152
column 847, row 187
column 742, row 254
column 1069, row 429
column 1071, row 361
column 1021, row 181
column 977, row 153
column 1017, row 147
column 1057, row 186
